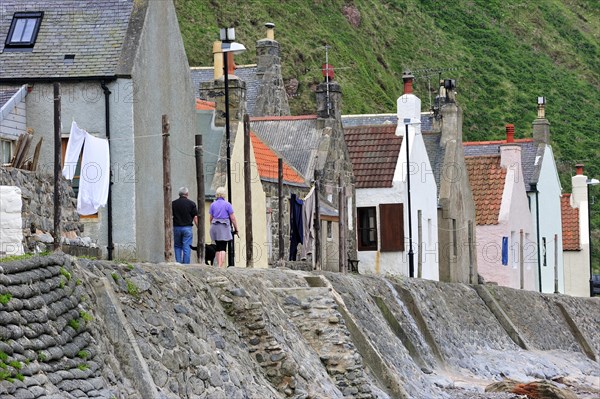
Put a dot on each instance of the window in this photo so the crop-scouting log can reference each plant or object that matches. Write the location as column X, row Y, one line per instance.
column 23, row 30
column 5, row 151
column 329, row 230
column 367, row 229
column 391, row 217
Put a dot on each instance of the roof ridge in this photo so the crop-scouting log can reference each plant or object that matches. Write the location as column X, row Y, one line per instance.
column 282, row 118
column 523, row 140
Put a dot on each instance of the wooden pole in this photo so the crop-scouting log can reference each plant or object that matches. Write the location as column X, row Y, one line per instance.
column 420, row 244
column 168, row 210
column 280, row 215
column 317, row 223
column 198, row 153
column 248, row 193
column 57, row 153
column 556, row 264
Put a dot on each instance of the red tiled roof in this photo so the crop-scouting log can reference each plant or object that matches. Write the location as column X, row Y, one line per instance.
column 374, row 154
column 570, row 224
column 487, row 184
column 527, row 140
column 202, row 105
column 266, row 160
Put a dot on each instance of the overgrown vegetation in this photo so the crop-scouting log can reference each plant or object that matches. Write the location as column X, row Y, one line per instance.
column 5, row 298
column 11, row 258
column 7, row 374
column 503, row 53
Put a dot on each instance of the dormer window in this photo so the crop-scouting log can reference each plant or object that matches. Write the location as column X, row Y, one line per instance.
column 23, row 31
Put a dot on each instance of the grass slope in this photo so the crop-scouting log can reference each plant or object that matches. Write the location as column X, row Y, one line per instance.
column 503, row 53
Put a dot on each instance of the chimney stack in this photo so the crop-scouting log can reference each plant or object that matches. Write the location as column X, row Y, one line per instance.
column 271, row 98
column 541, row 126
column 510, row 133
column 407, row 78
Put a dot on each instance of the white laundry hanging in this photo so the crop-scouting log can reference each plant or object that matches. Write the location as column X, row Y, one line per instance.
column 94, row 177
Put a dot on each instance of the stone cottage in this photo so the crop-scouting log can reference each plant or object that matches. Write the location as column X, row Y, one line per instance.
column 315, row 146
column 121, row 65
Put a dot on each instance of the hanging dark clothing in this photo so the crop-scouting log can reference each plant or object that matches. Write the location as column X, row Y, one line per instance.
column 296, row 230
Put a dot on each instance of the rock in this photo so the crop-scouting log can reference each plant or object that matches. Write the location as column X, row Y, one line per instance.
column 542, row 389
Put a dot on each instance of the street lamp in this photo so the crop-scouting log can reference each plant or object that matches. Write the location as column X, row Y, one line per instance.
column 227, row 36
column 590, row 182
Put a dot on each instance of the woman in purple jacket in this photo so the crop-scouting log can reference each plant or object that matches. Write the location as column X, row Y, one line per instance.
column 221, row 219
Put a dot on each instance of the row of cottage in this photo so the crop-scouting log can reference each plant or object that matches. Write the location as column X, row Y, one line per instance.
column 456, row 211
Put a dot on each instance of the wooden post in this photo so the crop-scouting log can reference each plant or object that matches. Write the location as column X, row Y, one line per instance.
column 199, row 154
column 57, row 153
column 420, row 244
column 317, row 223
column 280, row 215
column 248, row 193
column 168, row 210
column 521, row 260
column 556, row 264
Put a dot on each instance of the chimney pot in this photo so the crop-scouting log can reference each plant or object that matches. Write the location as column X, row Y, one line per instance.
column 407, row 78
column 270, row 30
column 579, row 168
column 327, row 70
column 510, row 133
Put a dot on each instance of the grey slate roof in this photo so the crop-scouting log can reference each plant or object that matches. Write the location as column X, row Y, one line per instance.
column 531, row 156
column 95, row 31
column 247, row 73
column 436, row 154
column 296, row 138
column 382, row 119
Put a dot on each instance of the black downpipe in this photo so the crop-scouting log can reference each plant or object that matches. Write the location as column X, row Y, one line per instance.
column 537, row 226
column 107, row 94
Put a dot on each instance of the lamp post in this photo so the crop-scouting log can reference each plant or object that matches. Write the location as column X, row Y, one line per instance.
column 411, row 255
column 227, row 36
column 590, row 182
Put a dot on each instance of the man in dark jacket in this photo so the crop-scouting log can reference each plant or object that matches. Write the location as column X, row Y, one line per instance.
column 185, row 215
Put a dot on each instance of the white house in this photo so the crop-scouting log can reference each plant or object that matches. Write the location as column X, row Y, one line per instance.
column 542, row 184
column 379, row 162
column 505, row 242
column 576, row 230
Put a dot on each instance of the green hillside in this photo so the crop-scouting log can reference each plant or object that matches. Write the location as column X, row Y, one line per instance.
column 503, row 54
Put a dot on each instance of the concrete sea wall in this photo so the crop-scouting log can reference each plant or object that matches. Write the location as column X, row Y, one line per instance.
column 74, row 327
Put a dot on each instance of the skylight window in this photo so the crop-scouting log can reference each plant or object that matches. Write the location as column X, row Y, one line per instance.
column 23, row 30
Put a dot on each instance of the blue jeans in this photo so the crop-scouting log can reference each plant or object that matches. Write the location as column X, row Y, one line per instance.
column 183, row 239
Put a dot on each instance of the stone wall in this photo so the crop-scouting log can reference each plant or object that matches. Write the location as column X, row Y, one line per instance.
column 37, row 190
column 81, row 328
column 46, row 345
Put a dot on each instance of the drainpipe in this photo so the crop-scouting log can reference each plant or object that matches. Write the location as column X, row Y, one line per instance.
column 537, row 226
column 107, row 93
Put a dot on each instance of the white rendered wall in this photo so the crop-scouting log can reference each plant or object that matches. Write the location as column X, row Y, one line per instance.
column 550, row 222
column 514, row 216
column 577, row 263
column 423, row 198
column 11, row 223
